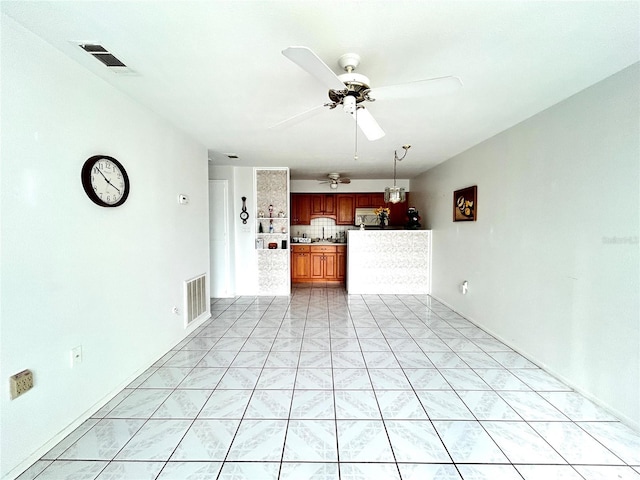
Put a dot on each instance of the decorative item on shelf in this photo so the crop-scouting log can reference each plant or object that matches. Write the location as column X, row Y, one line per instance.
column 271, row 226
column 260, row 228
column 260, row 214
column 273, row 245
column 383, row 215
column 281, row 214
column 396, row 194
column 244, row 215
column 414, row 219
column 270, row 211
column 259, row 243
column 465, row 204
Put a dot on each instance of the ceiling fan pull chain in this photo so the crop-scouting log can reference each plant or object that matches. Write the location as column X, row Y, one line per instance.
column 355, row 154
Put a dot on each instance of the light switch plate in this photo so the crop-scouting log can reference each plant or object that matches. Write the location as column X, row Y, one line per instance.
column 76, row 355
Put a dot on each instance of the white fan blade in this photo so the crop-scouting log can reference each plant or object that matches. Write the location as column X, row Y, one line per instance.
column 299, row 117
column 429, row 86
column 311, row 63
column 367, row 124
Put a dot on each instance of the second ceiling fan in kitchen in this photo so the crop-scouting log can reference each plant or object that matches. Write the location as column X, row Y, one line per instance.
column 334, row 179
column 351, row 90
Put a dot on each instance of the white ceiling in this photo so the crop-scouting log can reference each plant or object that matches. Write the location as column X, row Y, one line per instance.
column 215, row 69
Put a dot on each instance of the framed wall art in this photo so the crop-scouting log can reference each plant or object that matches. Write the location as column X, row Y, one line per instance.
column 465, row 204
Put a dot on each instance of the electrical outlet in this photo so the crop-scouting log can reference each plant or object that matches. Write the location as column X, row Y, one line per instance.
column 76, row 356
column 20, row 383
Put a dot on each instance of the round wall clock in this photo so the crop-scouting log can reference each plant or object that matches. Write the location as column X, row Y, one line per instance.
column 105, row 181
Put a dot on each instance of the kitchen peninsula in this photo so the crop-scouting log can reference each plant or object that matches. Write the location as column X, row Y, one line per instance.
column 389, row 262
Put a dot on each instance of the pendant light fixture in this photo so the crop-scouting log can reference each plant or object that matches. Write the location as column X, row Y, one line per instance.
column 396, row 194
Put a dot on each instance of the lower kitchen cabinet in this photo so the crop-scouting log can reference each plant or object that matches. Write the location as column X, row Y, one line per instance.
column 318, row 263
column 323, row 264
column 300, row 263
column 341, row 264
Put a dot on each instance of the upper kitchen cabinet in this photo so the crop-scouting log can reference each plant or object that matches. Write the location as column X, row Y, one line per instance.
column 341, row 207
column 369, row 200
column 398, row 213
column 300, row 209
column 345, row 209
column 323, row 205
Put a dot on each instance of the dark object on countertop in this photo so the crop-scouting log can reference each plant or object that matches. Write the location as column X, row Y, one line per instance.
column 414, row 219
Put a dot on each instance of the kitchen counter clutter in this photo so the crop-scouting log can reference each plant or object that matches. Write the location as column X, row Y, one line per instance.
column 318, row 262
column 389, row 262
column 317, row 242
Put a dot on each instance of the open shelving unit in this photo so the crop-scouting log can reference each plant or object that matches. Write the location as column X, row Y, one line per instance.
column 280, row 232
column 272, row 208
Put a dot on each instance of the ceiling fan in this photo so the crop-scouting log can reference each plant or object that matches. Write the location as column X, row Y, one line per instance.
column 351, row 90
column 335, row 179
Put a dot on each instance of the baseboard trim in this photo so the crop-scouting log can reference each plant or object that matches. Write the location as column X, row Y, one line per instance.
column 589, row 396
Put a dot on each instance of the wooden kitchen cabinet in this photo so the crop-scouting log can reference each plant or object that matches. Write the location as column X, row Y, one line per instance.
column 341, row 263
column 342, row 206
column 300, row 263
column 323, row 266
column 300, row 209
column 318, row 263
column 369, row 200
column 323, row 205
column 398, row 213
column 345, row 209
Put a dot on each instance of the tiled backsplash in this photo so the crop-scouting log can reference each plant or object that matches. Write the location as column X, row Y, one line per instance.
column 315, row 229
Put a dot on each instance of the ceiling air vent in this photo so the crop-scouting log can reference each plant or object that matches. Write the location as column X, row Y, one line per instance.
column 105, row 57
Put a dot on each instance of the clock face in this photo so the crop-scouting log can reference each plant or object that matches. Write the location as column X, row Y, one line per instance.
column 105, row 181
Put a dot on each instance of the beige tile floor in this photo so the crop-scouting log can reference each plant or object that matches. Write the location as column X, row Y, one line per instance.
column 322, row 385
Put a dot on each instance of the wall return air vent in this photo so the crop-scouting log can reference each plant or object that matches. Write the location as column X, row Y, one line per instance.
column 196, row 303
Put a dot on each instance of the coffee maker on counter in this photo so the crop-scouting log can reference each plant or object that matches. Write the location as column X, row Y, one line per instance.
column 414, row 219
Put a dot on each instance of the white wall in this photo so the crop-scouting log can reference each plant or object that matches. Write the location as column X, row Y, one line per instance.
column 74, row 273
column 356, row 185
column 552, row 261
column 244, row 259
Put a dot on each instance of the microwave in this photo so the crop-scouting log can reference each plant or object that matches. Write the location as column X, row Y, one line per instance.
column 366, row 217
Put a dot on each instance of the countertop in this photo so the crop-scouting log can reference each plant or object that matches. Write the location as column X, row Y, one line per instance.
column 320, row 242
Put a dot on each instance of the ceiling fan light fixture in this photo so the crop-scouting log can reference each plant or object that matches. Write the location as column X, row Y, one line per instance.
column 349, row 104
column 333, row 185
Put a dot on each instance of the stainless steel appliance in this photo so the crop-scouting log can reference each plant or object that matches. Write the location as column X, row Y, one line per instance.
column 366, row 217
